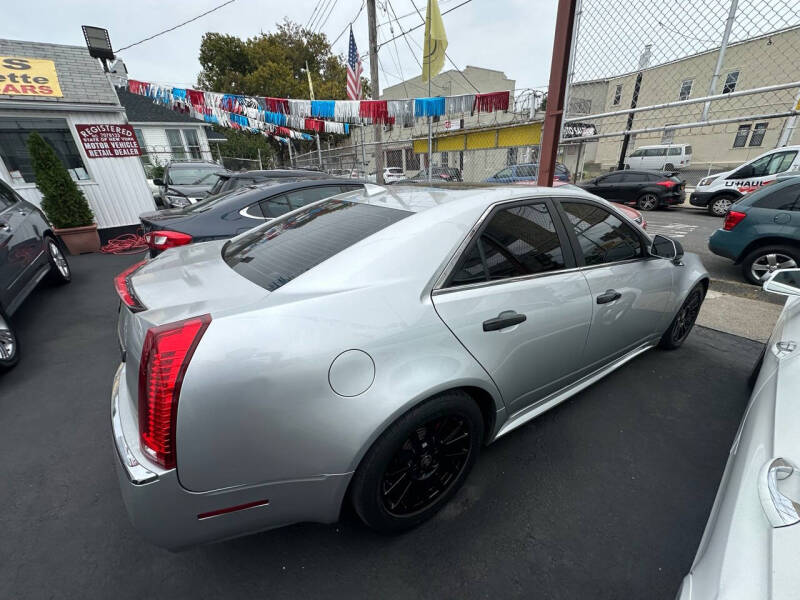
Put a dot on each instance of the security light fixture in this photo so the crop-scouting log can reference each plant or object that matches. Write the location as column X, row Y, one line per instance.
column 98, row 42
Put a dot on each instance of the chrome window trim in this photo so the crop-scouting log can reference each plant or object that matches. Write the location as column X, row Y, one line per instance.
column 438, row 286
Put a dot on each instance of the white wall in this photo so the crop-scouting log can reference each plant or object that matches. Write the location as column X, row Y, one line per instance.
column 117, row 191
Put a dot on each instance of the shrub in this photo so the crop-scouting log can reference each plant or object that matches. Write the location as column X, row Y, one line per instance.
column 62, row 201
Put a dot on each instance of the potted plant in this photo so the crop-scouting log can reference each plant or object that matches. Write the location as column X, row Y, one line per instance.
column 62, row 201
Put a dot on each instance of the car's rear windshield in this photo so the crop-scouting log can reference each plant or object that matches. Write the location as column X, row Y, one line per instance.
column 193, row 175
column 273, row 256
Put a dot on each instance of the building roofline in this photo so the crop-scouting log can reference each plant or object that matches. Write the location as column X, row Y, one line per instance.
column 45, row 44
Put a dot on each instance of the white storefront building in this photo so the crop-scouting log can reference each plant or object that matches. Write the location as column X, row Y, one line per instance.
column 32, row 75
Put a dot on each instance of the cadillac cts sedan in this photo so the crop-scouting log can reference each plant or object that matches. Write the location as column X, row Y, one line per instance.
column 751, row 545
column 363, row 348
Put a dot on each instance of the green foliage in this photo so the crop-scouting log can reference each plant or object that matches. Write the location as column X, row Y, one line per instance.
column 62, row 201
column 273, row 64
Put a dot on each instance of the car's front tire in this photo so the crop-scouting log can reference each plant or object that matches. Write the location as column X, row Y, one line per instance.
column 418, row 463
column 720, row 205
column 684, row 321
column 9, row 346
column 768, row 259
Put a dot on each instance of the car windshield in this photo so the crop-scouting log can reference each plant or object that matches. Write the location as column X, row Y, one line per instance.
column 271, row 256
column 193, row 175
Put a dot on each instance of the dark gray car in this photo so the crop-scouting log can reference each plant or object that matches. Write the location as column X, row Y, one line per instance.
column 228, row 215
column 186, row 183
column 29, row 252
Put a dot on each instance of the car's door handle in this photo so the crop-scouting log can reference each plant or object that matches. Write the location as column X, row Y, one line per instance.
column 780, row 510
column 608, row 296
column 505, row 319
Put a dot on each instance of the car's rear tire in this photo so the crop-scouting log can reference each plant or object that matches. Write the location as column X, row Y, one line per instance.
column 9, row 345
column 647, row 201
column 669, row 167
column 768, row 259
column 720, row 205
column 60, row 273
column 418, row 463
column 684, row 320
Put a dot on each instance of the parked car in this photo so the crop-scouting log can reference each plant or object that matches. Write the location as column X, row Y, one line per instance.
column 527, row 172
column 438, row 174
column 222, row 217
column 761, row 231
column 228, row 181
column 365, row 347
column 718, row 192
column 750, row 545
column 662, row 157
column 186, row 182
column 29, row 253
column 647, row 190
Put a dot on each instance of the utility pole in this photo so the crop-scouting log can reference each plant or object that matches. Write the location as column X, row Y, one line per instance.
column 712, row 89
column 644, row 62
column 375, row 85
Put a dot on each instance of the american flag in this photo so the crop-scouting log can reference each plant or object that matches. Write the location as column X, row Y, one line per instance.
column 353, row 70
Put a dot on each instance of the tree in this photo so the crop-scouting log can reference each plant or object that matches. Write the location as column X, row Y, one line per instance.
column 273, row 64
column 62, row 201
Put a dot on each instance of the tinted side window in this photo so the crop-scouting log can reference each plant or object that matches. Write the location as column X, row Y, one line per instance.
column 613, row 178
column 784, row 198
column 300, row 198
column 602, row 236
column 636, row 177
column 517, row 241
column 275, row 207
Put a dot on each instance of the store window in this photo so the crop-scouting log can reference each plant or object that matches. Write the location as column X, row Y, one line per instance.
column 617, row 95
column 14, row 134
column 730, row 82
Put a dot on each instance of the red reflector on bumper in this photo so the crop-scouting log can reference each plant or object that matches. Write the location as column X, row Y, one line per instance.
column 230, row 509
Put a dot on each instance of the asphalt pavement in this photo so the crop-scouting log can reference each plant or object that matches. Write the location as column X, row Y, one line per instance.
column 605, row 496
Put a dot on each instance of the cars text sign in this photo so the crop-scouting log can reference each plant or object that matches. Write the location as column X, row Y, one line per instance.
column 20, row 76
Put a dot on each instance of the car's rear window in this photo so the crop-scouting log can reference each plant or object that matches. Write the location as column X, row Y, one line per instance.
column 273, row 256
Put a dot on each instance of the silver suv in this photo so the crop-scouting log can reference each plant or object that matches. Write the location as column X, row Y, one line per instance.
column 186, row 182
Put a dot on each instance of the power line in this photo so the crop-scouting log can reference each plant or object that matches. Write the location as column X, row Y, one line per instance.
column 414, row 4
column 155, row 35
column 412, row 14
column 313, row 12
column 324, row 22
column 397, row 53
column 350, row 24
column 422, row 25
column 316, row 21
column 413, row 53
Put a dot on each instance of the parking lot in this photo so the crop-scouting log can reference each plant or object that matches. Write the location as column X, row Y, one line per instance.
column 605, row 496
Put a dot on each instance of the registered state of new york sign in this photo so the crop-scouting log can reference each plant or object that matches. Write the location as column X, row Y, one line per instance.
column 108, row 140
column 20, row 76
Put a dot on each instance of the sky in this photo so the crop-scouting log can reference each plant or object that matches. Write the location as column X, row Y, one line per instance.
column 482, row 33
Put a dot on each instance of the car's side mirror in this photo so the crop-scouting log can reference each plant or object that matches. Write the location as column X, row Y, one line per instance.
column 664, row 247
column 158, row 181
column 785, row 282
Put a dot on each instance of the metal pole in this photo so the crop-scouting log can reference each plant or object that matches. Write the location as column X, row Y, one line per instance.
column 571, row 73
column 291, row 158
column 430, row 122
column 559, row 66
column 789, row 125
column 363, row 155
column 712, row 88
column 627, row 137
column 376, row 86
column 260, row 166
column 319, row 153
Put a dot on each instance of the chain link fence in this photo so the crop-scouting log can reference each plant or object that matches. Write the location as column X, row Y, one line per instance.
column 716, row 76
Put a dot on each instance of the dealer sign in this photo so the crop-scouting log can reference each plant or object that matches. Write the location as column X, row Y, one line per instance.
column 108, row 141
column 28, row 77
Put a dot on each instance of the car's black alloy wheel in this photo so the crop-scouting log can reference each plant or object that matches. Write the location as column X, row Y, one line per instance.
column 419, row 463
column 647, row 201
column 683, row 322
column 60, row 272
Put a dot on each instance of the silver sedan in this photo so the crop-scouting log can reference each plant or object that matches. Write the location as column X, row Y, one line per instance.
column 364, row 348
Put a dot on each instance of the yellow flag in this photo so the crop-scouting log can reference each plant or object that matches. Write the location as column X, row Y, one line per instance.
column 310, row 85
column 435, row 42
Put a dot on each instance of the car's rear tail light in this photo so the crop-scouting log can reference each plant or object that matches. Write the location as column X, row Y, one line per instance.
column 667, row 183
column 161, row 240
column 166, row 353
column 732, row 219
column 122, row 284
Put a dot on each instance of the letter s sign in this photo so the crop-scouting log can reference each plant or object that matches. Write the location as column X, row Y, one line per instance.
column 16, row 64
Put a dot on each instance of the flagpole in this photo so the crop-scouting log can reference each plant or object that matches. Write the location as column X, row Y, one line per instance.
column 430, row 124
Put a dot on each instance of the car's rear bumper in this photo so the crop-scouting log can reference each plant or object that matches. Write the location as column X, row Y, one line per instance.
column 726, row 243
column 170, row 516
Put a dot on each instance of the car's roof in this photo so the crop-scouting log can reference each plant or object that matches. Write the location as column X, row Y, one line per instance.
column 250, row 193
column 268, row 173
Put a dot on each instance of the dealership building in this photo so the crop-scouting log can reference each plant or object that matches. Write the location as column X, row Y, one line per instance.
column 64, row 94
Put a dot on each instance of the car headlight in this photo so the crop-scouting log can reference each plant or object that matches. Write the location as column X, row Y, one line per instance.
column 178, row 201
column 706, row 181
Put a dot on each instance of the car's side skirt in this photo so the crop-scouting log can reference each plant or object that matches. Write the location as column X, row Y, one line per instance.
column 534, row 410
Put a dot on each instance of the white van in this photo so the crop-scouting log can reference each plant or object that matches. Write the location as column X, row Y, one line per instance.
column 718, row 192
column 664, row 157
